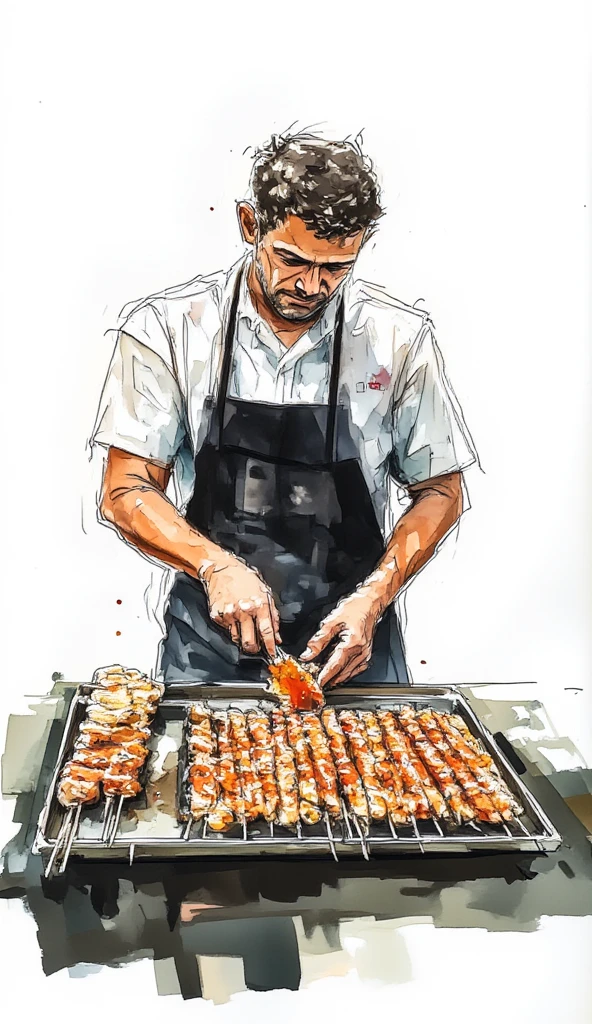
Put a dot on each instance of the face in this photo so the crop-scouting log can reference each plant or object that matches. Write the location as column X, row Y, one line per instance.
column 297, row 271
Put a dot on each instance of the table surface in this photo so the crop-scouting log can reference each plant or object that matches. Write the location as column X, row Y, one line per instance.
column 234, row 932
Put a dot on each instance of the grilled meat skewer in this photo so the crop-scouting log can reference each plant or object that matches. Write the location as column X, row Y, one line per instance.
column 250, row 784
column 263, row 760
column 438, row 767
column 285, row 768
column 322, row 763
column 479, row 762
column 349, row 779
column 365, row 763
column 474, row 793
column 78, row 784
column 310, row 810
column 395, row 743
column 203, row 787
column 400, row 804
column 230, row 804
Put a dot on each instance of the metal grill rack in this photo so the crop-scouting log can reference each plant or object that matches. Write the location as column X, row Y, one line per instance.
column 102, row 834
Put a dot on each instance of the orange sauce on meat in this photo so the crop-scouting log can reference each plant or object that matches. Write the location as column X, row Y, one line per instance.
column 292, row 681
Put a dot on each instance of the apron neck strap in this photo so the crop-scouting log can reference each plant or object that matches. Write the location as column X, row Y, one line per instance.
column 228, row 345
column 334, row 383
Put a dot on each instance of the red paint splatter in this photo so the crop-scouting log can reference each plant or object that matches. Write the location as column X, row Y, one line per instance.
column 423, row 663
column 117, row 632
column 118, row 601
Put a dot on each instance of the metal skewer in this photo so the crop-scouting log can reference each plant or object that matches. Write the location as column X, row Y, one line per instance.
column 346, row 821
column 107, row 819
column 363, row 843
column 416, row 832
column 330, row 837
column 71, row 835
column 116, row 820
column 59, row 842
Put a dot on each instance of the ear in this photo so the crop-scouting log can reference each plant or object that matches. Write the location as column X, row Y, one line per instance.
column 247, row 219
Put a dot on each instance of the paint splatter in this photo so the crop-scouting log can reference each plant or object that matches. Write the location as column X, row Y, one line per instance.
column 117, row 632
column 118, row 601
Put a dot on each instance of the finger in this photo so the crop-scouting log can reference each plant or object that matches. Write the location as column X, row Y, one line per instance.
column 328, row 630
column 248, row 634
column 266, row 631
column 275, row 619
column 352, row 669
column 343, row 654
column 234, row 632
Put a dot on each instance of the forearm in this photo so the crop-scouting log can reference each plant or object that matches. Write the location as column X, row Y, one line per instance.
column 146, row 518
column 416, row 536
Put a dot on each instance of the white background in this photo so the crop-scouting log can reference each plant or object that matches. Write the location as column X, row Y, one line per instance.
column 123, row 123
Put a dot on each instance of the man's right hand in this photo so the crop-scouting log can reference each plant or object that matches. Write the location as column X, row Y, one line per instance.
column 240, row 601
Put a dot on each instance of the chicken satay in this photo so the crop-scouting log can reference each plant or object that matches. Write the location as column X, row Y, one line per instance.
column 322, row 763
column 295, row 685
column 263, row 761
column 478, row 799
column 250, row 784
column 349, row 780
column 400, row 803
column 101, row 757
column 285, row 767
column 436, row 800
column 92, row 734
column 136, row 717
column 123, row 785
column 307, row 787
column 203, row 787
column 441, row 772
column 116, row 698
column 396, row 744
column 78, row 784
column 501, row 798
column 454, row 726
column 364, row 762
column 145, row 689
column 77, row 791
column 230, row 798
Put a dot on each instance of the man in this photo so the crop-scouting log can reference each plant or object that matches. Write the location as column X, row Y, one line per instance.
column 279, row 399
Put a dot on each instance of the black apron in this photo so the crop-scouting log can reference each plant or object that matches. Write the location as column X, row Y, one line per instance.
column 271, row 487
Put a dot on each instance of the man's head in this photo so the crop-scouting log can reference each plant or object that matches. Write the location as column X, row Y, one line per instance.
column 314, row 203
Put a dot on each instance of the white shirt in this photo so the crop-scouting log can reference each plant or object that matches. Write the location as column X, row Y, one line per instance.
column 405, row 421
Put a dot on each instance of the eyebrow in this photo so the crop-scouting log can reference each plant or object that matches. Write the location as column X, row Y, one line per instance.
column 331, row 264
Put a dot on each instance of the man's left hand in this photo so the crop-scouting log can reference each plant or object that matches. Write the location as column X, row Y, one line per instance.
column 354, row 622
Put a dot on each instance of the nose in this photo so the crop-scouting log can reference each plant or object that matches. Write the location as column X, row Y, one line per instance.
column 309, row 283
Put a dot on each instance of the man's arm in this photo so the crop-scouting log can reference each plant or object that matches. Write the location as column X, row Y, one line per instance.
column 134, row 501
column 436, row 506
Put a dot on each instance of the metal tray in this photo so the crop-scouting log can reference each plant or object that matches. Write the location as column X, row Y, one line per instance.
column 150, row 828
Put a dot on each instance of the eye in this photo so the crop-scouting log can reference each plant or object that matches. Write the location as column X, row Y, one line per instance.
column 292, row 262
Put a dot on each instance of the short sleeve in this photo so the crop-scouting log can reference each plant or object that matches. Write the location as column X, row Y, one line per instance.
column 430, row 434
column 141, row 407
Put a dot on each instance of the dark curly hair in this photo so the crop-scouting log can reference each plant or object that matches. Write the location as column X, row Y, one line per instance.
column 331, row 186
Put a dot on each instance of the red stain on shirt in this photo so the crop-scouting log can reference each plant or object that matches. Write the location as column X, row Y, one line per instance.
column 380, row 381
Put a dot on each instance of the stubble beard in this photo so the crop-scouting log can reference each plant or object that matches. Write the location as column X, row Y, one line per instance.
column 291, row 315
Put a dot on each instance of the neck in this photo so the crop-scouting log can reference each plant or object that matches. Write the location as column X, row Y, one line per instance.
column 287, row 331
